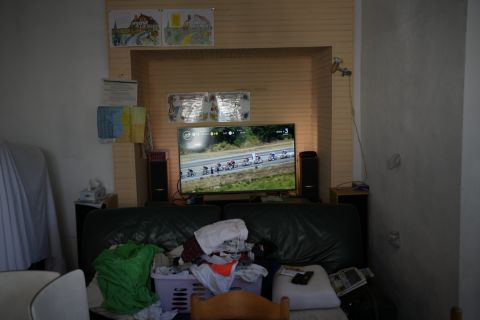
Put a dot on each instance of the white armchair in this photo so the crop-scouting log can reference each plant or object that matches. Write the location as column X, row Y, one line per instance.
column 18, row 290
column 63, row 298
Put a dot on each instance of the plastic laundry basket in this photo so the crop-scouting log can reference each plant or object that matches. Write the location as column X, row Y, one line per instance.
column 175, row 290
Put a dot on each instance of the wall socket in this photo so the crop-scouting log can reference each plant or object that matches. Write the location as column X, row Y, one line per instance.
column 394, row 239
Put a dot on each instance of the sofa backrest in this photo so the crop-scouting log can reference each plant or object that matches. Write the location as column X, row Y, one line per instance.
column 167, row 226
column 305, row 233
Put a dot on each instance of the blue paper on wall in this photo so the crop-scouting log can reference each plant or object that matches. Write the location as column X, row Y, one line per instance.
column 109, row 122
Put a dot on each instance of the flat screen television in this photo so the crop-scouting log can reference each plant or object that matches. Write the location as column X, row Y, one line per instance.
column 237, row 159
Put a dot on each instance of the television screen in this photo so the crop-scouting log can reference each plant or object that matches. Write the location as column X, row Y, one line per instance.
column 233, row 159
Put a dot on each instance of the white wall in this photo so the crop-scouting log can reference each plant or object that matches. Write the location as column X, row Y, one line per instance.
column 54, row 56
column 52, row 60
column 412, row 100
column 470, row 201
column 359, row 173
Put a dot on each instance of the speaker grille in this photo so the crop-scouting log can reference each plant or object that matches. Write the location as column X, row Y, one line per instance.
column 309, row 175
column 157, row 176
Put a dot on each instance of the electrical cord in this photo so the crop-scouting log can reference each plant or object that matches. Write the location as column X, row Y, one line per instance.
column 352, row 111
column 174, row 198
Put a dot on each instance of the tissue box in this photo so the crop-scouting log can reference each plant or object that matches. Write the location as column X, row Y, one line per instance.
column 93, row 195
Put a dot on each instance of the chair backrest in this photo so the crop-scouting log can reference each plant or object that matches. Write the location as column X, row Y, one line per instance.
column 18, row 290
column 63, row 298
column 238, row 305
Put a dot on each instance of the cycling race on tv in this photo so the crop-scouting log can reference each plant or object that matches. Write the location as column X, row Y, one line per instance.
column 237, row 159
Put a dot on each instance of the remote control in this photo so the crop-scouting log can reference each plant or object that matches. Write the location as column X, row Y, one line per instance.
column 302, row 278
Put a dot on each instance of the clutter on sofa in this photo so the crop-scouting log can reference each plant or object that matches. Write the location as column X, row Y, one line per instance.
column 316, row 237
column 216, row 258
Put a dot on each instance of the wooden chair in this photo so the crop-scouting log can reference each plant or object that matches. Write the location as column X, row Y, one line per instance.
column 239, row 305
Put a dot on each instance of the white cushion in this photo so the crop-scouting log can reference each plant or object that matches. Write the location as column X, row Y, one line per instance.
column 317, row 294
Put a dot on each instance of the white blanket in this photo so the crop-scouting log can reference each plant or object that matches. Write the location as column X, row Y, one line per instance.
column 29, row 230
column 211, row 236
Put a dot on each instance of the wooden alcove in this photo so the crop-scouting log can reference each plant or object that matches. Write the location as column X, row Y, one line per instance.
column 279, row 51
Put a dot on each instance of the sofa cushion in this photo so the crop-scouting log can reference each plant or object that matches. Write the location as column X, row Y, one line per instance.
column 317, row 294
column 305, row 233
column 167, row 226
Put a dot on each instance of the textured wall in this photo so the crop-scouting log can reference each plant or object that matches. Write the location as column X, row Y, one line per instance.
column 246, row 24
column 470, row 218
column 412, row 99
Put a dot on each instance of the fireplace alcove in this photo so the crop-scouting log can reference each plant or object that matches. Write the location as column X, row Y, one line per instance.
column 286, row 85
column 279, row 51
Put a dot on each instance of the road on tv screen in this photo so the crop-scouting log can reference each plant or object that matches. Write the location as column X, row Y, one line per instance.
column 203, row 167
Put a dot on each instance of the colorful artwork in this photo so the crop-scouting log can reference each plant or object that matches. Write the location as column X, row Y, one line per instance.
column 134, row 28
column 187, row 27
column 121, row 124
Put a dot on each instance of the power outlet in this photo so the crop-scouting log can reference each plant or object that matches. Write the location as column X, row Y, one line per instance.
column 394, row 239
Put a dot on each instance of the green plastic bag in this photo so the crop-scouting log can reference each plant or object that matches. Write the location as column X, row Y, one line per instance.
column 123, row 275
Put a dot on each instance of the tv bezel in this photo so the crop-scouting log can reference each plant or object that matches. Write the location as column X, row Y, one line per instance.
column 265, row 191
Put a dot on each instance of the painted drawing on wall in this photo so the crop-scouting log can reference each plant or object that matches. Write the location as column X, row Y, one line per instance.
column 134, row 28
column 187, row 27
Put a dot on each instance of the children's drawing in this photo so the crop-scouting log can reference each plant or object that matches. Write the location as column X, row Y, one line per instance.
column 231, row 106
column 188, row 107
column 134, row 28
column 187, row 27
column 209, row 106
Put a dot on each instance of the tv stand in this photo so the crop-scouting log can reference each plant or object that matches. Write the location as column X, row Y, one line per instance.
column 234, row 197
column 223, row 199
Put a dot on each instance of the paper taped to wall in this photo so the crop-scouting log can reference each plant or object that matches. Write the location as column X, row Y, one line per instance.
column 121, row 124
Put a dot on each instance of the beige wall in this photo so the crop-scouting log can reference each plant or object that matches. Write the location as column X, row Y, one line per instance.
column 286, row 86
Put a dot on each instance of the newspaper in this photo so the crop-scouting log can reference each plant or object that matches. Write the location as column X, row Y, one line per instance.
column 347, row 280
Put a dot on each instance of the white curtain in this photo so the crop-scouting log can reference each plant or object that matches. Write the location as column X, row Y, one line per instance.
column 28, row 222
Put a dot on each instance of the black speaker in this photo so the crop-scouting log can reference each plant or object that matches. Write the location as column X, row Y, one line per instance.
column 309, row 175
column 158, row 180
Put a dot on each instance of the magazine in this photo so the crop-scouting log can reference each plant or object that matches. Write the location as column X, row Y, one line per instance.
column 346, row 280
